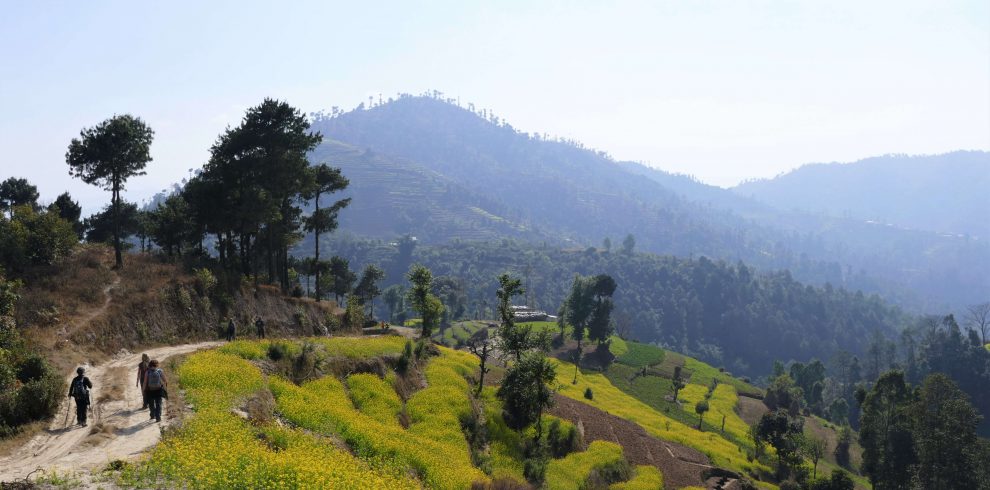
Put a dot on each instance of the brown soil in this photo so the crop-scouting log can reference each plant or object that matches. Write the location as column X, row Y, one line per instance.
column 681, row 466
column 750, row 409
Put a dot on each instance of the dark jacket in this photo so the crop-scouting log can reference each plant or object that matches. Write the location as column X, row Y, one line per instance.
column 86, row 382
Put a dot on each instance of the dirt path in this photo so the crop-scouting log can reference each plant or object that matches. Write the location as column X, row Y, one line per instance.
column 118, row 429
column 68, row 330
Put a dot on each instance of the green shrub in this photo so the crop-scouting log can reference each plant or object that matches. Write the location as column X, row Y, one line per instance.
column 406, row 359
column 278, row 351
column 562, row 439
column 204, row 281
column 590, row 395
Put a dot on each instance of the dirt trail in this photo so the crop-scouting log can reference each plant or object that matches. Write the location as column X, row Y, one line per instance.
column 126, row 429
column 67, row 331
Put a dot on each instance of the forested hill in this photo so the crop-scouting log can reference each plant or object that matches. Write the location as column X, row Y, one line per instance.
column 499, row 181
column 945, row 193
column 728, row 314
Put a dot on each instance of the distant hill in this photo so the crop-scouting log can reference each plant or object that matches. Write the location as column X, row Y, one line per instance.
column 945, row 193
column 486, row 179
column 392, row 196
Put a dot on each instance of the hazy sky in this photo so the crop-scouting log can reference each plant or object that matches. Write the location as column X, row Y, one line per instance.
column 723, row 90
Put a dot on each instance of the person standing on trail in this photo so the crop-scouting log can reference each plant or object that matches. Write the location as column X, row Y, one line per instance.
column 79, row 390
column 154, row 388
column 259, row 324
column 143, row 368
column 231, row 330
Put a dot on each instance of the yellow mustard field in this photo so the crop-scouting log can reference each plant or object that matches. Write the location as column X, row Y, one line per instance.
column 375, row 439
column 722, row 403
column 646, row 478
column 610, row 399
column 572, row 470
column 218, row 450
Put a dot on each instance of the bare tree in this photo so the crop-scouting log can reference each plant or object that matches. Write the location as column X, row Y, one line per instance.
column 480, row 344
column 978, row 317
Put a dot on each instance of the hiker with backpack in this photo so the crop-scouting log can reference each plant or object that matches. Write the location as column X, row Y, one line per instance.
column 259, row 324
column 79, row 390
column 143, row 368
column 231, row 330
column 155, row 385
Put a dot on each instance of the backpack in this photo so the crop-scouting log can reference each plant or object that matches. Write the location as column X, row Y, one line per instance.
column 79, row 389
column 154, row 379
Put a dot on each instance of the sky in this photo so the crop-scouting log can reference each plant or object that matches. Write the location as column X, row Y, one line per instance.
column 721, row 90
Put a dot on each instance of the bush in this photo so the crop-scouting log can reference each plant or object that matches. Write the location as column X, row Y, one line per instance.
column 590, row 395
column 562, row 440
column 32, row 368
column 406, row 359
column 204, row 281
column 278, row 351
column 535, row 469
column 39, row 398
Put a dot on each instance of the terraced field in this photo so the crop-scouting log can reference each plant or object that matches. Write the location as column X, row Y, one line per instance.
column 340, row 412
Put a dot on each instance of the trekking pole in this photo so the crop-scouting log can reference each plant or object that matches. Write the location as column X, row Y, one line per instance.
column 67, row 410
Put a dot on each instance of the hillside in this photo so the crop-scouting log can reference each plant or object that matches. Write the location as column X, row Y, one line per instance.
column 728, row 314
column 561, row 193
column 942, row 193
column 356, row 418
column 392, row 197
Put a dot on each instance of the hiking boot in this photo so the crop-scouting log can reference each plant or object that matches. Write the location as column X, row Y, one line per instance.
column 84, row 424
column 159, row 420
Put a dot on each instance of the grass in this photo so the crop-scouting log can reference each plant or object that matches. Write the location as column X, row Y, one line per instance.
column 640, row 355
column 644, row 478
column 722, row 403
column 613, row 400
column 349, row 347
column 572, row 470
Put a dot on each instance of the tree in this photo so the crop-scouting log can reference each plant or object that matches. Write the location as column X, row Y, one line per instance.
column 813, row 448
column 423, row 300
column 677, row 382
column 101, row 226
column 169, row 224
column 393, row 297
column 600, row 326
column 885, row 433
column 107, row 155
column 480, row 344
column 513, row 339
column 782, row 432
column 838, row 480
column 343, row 277
column 68, row 210
column 525, row 393
column 842, row 445
column 578, row 308
column 367, row 288
column 628, row 244
column 17, row 192
column 326, row 180
column 944, row 436
column 978, row 318
column 700, row 408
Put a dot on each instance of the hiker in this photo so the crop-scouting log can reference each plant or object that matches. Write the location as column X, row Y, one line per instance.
column 154, row 387
column 143, row 368
column 79, row 389
column 231, row 330
column 259, row 324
